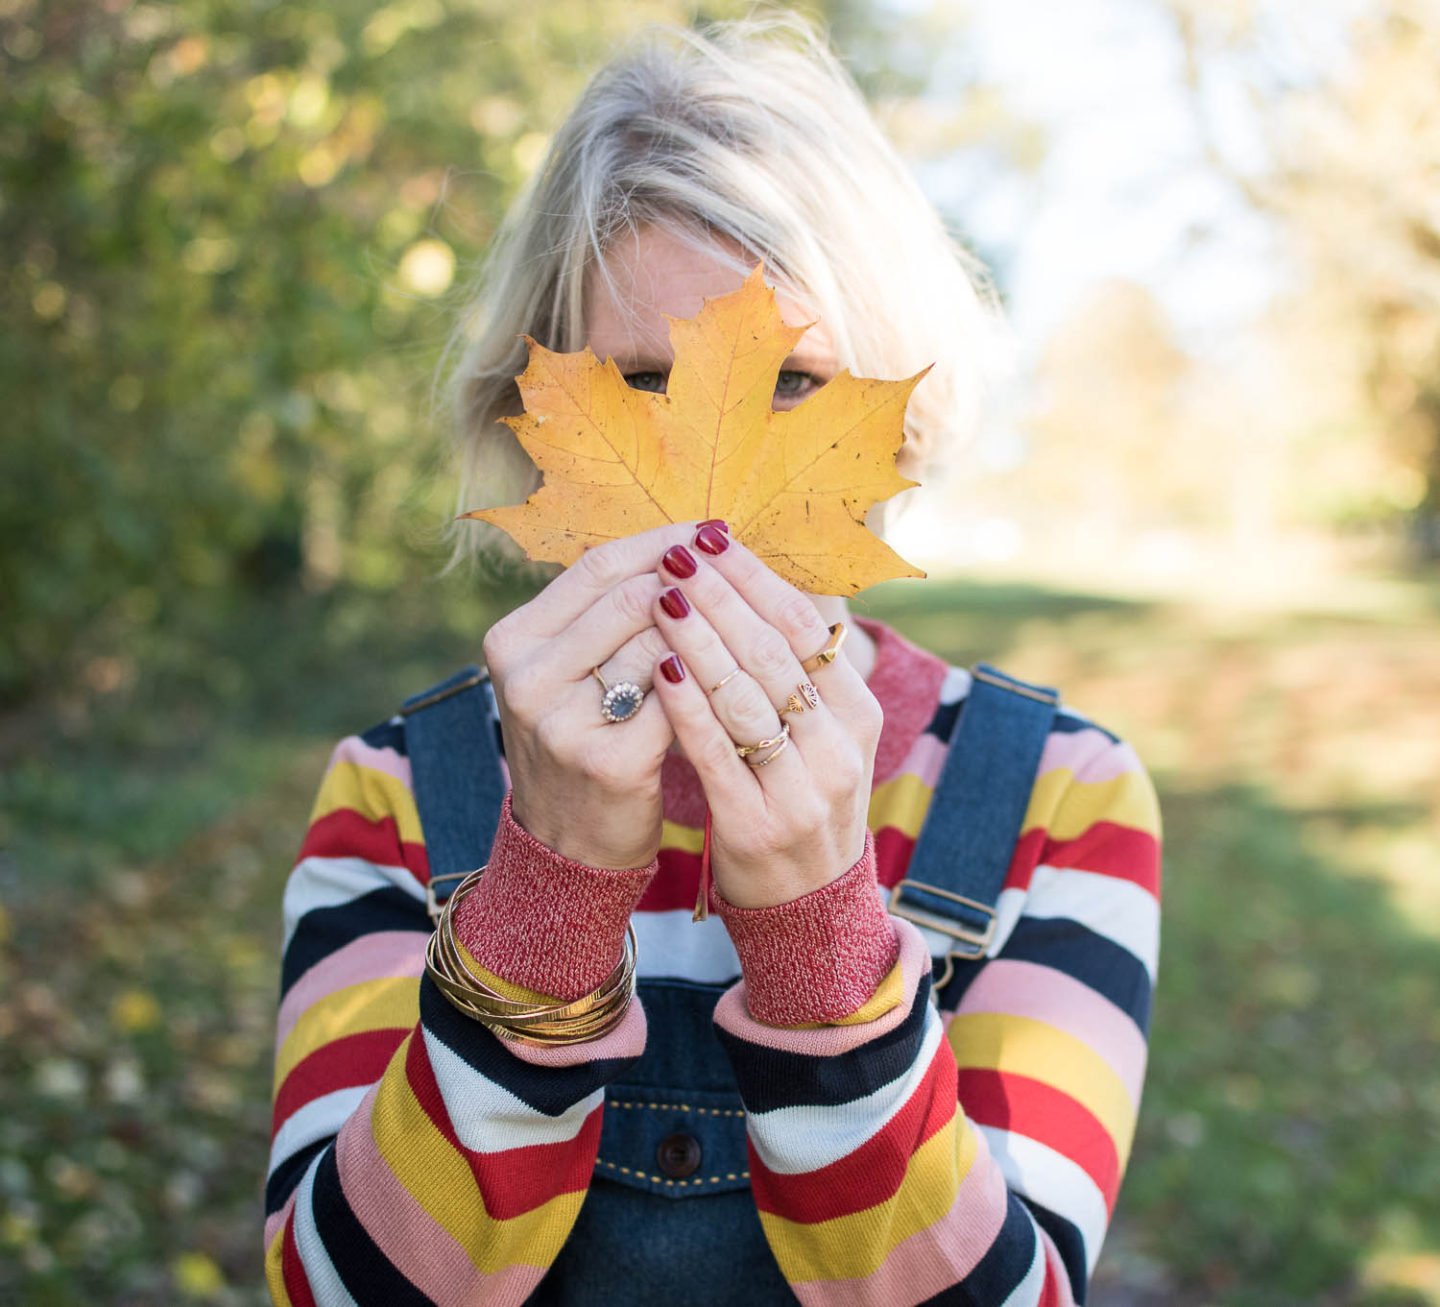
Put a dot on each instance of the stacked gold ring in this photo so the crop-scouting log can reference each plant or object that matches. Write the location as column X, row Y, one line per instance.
column 745, row 750
column 543, row 1024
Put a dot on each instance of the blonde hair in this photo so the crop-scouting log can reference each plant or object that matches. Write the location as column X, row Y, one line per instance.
column 749, row 130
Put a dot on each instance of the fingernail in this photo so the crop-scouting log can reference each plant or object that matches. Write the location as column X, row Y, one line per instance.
column 679, row 561
column 674, row 603
column 719, row 523
column 673, row 670
column 711, row 540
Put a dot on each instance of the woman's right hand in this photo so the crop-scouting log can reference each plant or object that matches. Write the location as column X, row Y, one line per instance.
column 587, row 788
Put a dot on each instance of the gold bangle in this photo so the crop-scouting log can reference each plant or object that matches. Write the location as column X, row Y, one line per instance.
column 542, row 1024
column 827, row 655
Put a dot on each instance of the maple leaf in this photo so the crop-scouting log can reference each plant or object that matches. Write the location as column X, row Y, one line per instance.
column 793, row 486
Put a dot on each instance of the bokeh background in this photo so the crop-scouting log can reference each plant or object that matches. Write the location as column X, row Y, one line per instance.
column 234, row 236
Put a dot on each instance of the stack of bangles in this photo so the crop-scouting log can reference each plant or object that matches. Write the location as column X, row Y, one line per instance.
column 585, row 1018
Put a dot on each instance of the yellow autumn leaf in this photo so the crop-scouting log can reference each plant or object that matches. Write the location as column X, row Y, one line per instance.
column 793, row 486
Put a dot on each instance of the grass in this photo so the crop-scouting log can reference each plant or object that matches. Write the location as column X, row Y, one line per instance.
column 1285, row 1152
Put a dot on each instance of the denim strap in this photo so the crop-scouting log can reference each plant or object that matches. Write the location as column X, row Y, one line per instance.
column 455, row 773
column 973, row 821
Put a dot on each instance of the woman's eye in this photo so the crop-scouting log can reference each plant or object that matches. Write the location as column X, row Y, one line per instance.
column 794, row 385
column 646, row 381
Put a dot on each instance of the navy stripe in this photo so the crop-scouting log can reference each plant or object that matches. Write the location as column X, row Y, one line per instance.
column 1106, row 967
column 1004, row 1265
column 552, row 1090
column 370, row 1276
column 386, row 735
column 287, row 1174
column 769, row 1078
column 1069, row 1243
column 323, row 930
column 1072, row 723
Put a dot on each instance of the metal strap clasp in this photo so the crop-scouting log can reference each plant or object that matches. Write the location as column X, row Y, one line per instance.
column 978, row 941
column 433, row 905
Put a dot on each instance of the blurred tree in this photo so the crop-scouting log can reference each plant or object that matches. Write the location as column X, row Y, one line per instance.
column 1333, row 130
column 235, row 233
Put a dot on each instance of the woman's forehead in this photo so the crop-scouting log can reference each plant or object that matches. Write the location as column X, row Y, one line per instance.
column 654, row 275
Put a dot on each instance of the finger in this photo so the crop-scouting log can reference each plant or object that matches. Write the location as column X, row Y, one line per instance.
column 631, row 664
column 789, row 610
column 729, row 782
column 757, row 646
column 738, row 701
column 617, row 616
column 597, row 571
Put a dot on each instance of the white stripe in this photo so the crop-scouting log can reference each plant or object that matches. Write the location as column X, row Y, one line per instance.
column 1054, row 1181
column 1118, row 909
column 792, row 1140
column 487, row 1117
column 329, row 882
column 325, row 1282
column 955, row 686
column 1027, row 1292
column 673, row 946
column 318, row 1119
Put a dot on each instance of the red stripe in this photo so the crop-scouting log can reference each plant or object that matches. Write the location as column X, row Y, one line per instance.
column 1110, row 849
column 1049, row 1290
column 292, row 1271
column 874, row 1172
column 515, row 1180
column 343, row 1063
column 675, row 885
column 1041, row 1112
column 345, row 833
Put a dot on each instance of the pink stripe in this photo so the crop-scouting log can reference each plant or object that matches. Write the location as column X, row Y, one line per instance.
column 275, row 1222
column 924, row 760
column 385, row 954
column 935, row 1258
column 421, row 1249
column 626, row 1040
column 1090, row 755
column 829, row 1041
column 1055, row 1268
column 354, row 749
column 1029, row 989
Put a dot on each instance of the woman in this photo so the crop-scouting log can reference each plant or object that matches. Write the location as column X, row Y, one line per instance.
column 834, row 1135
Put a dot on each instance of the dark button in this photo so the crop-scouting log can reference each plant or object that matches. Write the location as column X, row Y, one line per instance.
column 678, row 1155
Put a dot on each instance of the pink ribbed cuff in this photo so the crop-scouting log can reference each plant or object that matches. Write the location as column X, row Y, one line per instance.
column 543, row 921
column 819, row 957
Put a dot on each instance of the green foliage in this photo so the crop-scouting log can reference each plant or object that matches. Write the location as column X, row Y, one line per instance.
column 231, row 230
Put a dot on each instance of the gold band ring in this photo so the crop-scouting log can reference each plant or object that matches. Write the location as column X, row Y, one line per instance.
column 826, row 656
column 805, row 696
column 745, row 750
column 769, row 757
column 621, row 700
column 726, row 679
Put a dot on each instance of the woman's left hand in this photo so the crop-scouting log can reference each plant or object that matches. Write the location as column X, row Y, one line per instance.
column 795, row 824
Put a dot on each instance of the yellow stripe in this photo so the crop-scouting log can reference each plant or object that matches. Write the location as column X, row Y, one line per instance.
column 1127, row 799
column 889, row 994
column 373, row 794
column 687, row 839
column 900, row 803
column 501, row 986
column 274, row 1276
column 849, row 1247
column 441, row 1181
column 1058, row 802
column 389, row 1003
column 999, row 1041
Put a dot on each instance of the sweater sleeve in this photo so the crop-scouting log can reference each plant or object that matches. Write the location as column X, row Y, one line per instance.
column 415, row 1157
column 976, row 1153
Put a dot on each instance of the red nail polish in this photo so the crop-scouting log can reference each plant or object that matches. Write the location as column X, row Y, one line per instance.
column 711, row 540
column 673, row 670
column 719, row 523
column 679, row 561
column 674, row 603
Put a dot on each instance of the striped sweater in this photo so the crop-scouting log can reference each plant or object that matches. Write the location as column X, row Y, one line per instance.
column 901, row 1153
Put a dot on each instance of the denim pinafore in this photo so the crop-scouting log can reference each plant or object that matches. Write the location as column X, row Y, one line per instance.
column 669, row 1216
